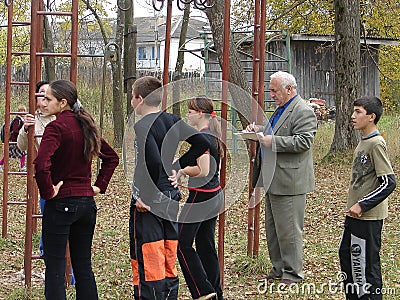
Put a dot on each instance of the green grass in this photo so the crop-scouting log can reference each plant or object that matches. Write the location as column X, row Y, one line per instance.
column 322, row 234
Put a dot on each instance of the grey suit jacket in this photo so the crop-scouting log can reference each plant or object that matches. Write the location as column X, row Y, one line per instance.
column 287, row 167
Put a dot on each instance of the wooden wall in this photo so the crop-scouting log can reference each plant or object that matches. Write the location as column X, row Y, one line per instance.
column 312, row 63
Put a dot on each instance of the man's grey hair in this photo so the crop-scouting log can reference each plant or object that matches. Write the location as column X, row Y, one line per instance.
column 286, row 79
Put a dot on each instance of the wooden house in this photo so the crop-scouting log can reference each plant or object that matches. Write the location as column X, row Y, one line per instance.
column 311, row 59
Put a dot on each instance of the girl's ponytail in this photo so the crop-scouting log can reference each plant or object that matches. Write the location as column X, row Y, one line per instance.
column 64, row 89
column 206, row 105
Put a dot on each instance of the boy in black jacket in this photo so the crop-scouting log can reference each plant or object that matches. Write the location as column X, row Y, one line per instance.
column 154, row 204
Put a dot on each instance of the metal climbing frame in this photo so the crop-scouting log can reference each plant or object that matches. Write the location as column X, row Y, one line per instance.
column 253, row 224
column 260, row 105
column 8, row 113
column 199, row 4
column 35, row 56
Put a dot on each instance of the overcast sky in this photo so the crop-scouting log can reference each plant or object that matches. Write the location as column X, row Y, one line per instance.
column 143, row 8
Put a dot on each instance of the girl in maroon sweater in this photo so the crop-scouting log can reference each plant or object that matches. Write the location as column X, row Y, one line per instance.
column 63, row 175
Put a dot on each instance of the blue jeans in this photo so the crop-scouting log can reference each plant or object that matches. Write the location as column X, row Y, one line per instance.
column 69, row 219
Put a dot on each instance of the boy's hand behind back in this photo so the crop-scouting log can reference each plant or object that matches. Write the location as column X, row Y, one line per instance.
column 141, row 207
column 355, row 211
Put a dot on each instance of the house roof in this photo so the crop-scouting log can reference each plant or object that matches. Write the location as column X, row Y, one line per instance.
column 146, row 28
column 370, row 40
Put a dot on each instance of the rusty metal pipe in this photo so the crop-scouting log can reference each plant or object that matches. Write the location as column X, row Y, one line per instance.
column 74, row 42
column 167, row 51
column 7, row 120
column 260, row 111
column 224, row 114
column 31, row 148
column 254, row 112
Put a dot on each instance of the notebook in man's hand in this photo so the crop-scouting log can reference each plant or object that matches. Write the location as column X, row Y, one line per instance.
column 250, row 135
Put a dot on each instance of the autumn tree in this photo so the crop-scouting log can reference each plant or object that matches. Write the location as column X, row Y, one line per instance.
column 347, row 72
column 351, row 22
column 299, row 16
column 176, row 108
column 130, row 36
column 48, row 46
column 20, row 36
column 382, row 18
column 378, row 18
column 236, row 73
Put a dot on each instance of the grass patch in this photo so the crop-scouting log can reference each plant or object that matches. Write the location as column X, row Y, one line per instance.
column 322, row 233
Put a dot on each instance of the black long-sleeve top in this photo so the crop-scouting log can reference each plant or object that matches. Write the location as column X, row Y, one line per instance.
column 157, row 138
column 211, row 181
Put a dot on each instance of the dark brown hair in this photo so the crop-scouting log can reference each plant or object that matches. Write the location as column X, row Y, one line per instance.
column 64, row 89
column 149, row 88
column 372, row 105
column 38, row 86
column 206, row 106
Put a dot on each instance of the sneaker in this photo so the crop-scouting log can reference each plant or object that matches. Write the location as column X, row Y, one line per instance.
column 288, row 282
column 40, row 276
column 206, row 297
column 270, row 277
column 23, row 169
column 21, row 274
column 1, row 169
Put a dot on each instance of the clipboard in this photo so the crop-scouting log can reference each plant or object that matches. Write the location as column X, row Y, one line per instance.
column 249, row 135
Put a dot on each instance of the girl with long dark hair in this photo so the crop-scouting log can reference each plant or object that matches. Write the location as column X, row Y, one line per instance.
column 63, row 174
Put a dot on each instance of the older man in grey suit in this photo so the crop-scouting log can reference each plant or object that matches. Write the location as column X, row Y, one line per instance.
column 287, row 175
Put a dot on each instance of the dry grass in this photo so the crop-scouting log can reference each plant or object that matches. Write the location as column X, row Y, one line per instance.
column 322, row 233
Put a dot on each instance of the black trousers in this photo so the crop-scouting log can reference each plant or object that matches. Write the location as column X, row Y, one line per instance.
column 200, row 266
column 153, row 246
column 69, row 219
column 360, row 260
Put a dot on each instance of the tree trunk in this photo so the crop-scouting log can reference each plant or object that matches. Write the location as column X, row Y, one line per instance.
column 347, row 72
column 176, row 107
column 48, row 46
column 236, row 73
column 129, row 57
column 116, row 66
column 118, row 116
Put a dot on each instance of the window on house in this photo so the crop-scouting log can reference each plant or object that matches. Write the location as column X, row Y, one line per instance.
column 142, row 53
column 155, row 54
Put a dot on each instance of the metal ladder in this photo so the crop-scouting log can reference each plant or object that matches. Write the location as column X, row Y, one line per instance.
column 35, row 57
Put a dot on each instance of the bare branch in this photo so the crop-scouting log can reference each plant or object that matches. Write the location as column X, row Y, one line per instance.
column 289, row 9
column 99, row 21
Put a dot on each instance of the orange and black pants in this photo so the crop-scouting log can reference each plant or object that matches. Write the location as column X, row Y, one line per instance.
column 153, row 250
